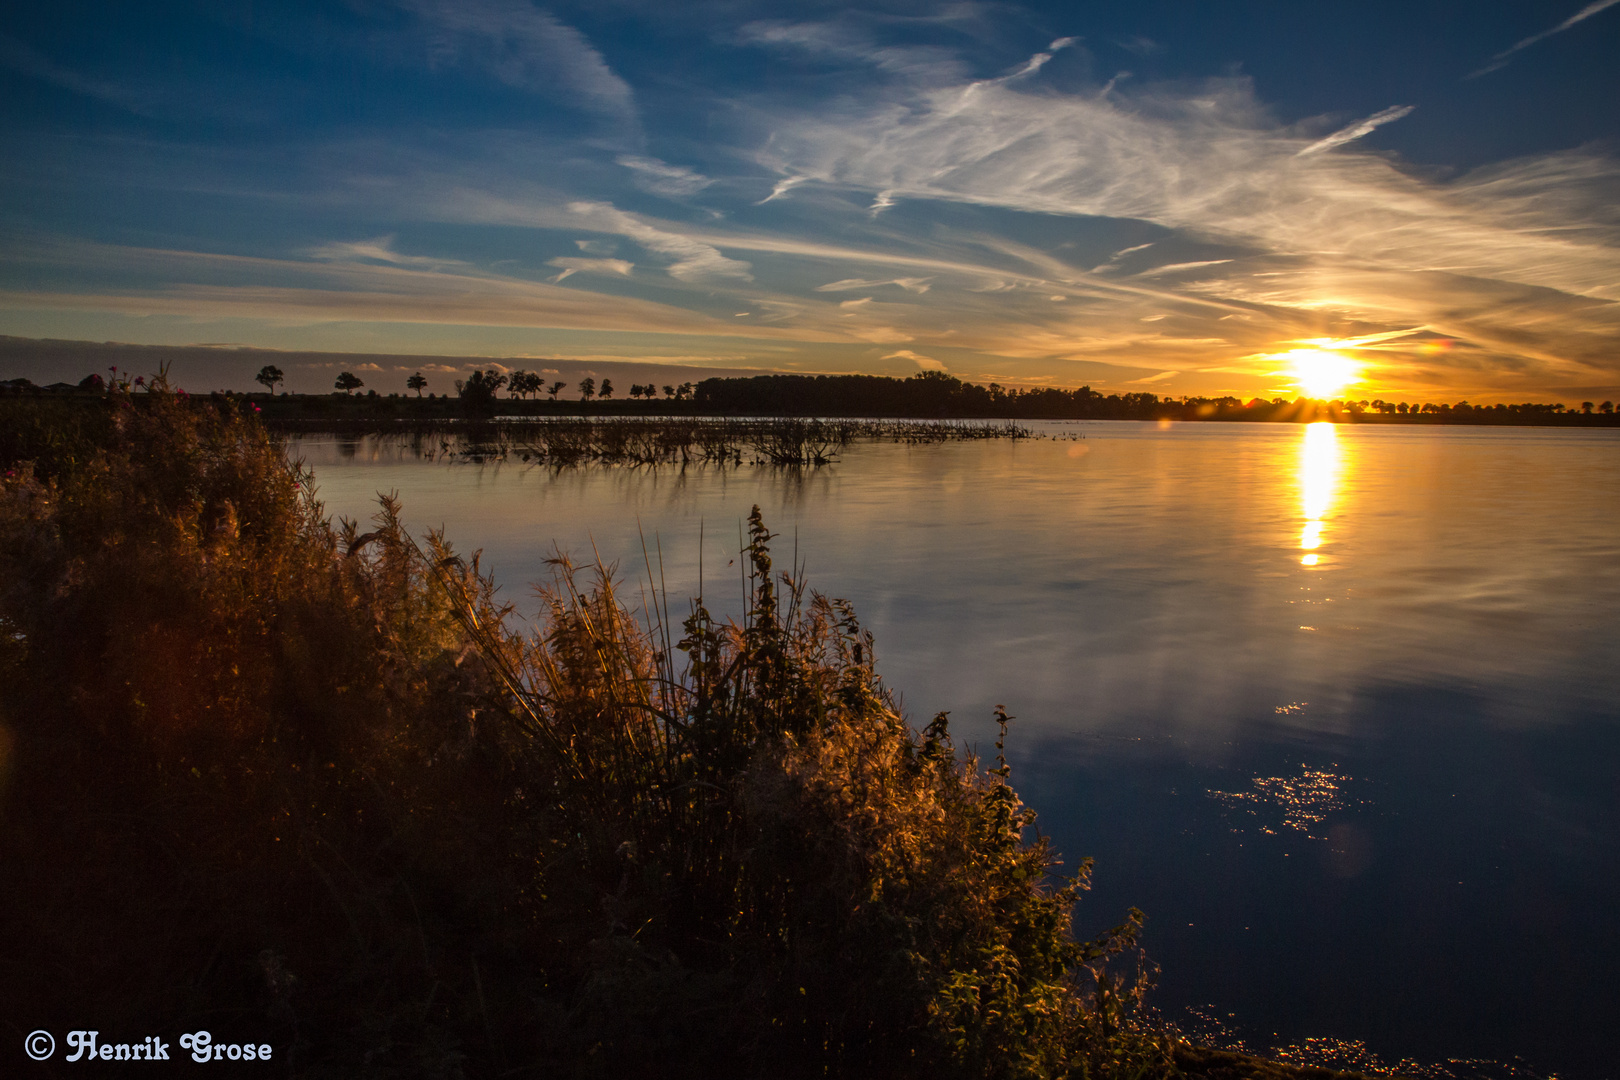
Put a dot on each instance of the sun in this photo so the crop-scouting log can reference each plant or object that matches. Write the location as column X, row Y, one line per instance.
column 1322, row 373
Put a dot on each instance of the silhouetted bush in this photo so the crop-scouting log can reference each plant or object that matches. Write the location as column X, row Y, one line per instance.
column 305, row 785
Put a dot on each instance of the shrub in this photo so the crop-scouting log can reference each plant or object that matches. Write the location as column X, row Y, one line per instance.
column 307, row 785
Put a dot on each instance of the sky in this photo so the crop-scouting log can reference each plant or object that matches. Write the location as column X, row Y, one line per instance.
column 1184, row 198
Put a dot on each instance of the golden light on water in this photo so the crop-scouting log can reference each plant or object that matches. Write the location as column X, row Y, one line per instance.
column 1319, row 463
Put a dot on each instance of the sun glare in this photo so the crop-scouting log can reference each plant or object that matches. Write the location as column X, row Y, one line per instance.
column 1318, row 477
column 1322, row 373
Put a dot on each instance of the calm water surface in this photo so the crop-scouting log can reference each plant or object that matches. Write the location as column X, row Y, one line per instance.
column 1337, row 707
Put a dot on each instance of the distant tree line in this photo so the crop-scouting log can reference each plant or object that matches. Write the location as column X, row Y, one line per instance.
column 937, row 394
column 926, row 395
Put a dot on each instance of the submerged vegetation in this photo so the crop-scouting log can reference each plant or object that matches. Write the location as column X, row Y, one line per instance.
column 571, row 441
column 304, row 784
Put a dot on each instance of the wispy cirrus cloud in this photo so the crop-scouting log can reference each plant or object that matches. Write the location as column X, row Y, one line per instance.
column 1352, row 132
column 206, row 284
column 379, row 249
column 1212, row 162
column 1501, row 59
column 695, row 261
column 525, row 47
column 662, row 178
column 571, row 266
column 910, row 284
column 28, row 61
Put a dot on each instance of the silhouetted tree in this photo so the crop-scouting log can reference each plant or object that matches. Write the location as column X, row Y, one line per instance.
column 270, row 375
column 587, row 388
column 607, row 388
column 348, row 382
column 416, row 382
column 555, row 389
column 525, row 383
column 477, row 391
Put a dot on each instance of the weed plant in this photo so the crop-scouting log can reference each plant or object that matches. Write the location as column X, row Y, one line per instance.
column 302, row 784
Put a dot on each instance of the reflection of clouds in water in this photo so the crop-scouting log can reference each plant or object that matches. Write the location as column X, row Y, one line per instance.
column 1305, row 800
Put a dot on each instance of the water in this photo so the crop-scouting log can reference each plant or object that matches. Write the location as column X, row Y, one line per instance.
column 1337, row 707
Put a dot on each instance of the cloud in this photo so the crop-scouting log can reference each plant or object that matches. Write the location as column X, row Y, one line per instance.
column 201, row 284
column 1213, row 164
column 1500, row 60
column 1177, row 268
column 783, row 186
column 695, row 261
column 380, row 249
column 910, row 284
column 661, row 178
column 523, row 47
column 1139, row 45
column 850, row 38
column 570, row 267
column 927, row 363
column 21, row 58
column 1040, row 59
column 1358, row 129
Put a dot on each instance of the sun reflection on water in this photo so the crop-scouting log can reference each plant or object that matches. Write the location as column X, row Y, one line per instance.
column 1320, row 462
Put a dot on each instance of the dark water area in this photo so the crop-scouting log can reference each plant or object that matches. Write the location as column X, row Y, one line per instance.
column 1337, row 707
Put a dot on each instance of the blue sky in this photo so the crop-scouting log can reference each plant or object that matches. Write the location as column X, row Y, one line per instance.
column 1142, row 196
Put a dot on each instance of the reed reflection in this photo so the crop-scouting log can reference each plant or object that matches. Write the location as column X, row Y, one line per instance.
column 1320, row 461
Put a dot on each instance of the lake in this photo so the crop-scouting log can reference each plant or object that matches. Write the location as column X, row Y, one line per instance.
column 1336, row 706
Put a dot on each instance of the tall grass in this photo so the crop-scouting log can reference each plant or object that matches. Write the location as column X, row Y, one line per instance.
column 307, row 784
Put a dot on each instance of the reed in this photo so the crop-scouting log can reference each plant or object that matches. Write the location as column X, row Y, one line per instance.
column 319, row 789
column 574, row 441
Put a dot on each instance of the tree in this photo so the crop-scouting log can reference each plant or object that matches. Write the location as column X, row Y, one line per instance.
column 524, row 383
column 669, row 391
column 587, row 389
column 1607, row 408
column 607, row 388
column 1586, row 407
column 270, row 375
column 417, row 383
column 555, row 389
column 478, row 391
column 348, row 382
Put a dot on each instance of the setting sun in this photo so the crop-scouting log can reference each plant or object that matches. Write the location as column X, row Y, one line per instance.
column 1322, row 373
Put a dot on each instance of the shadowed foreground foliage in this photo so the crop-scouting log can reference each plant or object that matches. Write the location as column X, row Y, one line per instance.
column 301, row 785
